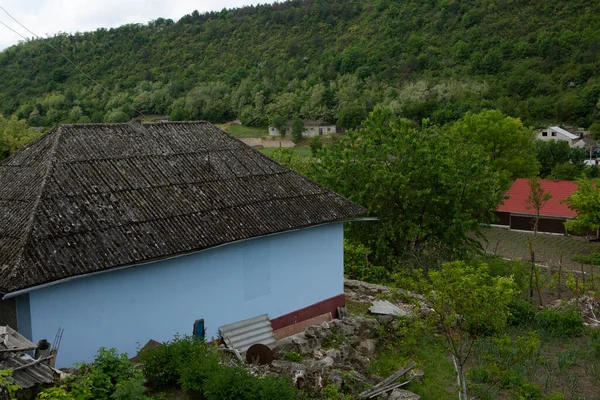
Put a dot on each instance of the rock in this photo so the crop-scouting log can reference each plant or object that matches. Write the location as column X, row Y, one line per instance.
column 386, row 319
column 335, row 355
column 346, row 329
column 286, row 367
column 415, row 375
column 401, row 394
column 4, row 395
column 325, row 362
column 335, row 378
column 320, row 332
column 360, row 363
column 367, row 347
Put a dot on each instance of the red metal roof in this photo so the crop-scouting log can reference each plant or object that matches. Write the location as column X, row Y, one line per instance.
column 516, row 203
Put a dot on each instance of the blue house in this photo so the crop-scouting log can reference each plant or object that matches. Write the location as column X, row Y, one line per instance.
column 122, row 233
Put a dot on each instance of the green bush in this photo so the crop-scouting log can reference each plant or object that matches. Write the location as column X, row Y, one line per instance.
column 593, row 258
column 315, row 145
column 110, row 376
column 498, row 266
column 162, row 365
column 522, row 312
column 357, row 265
column 560, row 323
column 292, row 356
column 236, row 383
column 530, row 391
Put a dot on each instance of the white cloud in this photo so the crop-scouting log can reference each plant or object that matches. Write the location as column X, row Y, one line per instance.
column 48, row 17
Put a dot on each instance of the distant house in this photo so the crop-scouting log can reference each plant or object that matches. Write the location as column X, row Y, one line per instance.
column 558, row 133
column 514, row 214
column 311, row 128
column 122, row 233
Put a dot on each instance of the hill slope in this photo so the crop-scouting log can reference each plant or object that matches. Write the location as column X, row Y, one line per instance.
column 538, row 60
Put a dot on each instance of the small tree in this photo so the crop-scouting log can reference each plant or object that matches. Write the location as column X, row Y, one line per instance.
column 468, row 304
column 586, row 202
column 536, row 199
column 297, row 129
column 315, row 145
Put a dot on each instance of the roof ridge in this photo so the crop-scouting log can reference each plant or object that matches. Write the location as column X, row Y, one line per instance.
column 49, row 166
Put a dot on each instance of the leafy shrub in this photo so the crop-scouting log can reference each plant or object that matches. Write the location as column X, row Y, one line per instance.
column 593, row 258
column 595, row 342
column 315, row 145
column 236, row 383
column 110, row 376
column 194, row 373
column 560, row 323
column 10, row 386
column 478, row 375
column 498, row 266
column 530, row 391
column 357, row 265
column 161, row 365
column 292, row 356
column 522, row 312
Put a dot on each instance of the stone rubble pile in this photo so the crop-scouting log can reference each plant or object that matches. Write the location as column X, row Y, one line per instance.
column 337, row 353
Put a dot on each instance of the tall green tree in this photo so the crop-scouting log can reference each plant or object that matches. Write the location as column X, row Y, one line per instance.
column 505, row 140
column 427, row 190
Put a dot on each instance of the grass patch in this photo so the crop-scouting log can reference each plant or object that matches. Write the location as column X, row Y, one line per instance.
column 430, row 356
column 300, row 150
column 356, row 308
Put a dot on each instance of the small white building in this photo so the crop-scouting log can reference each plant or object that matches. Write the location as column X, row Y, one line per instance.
column 311, row 128
column 558, row 133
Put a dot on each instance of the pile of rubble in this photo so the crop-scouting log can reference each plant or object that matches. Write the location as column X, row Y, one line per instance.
column 588, row 305
column 336, row 353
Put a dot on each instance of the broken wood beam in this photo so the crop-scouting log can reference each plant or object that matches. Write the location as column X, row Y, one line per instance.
column 367, row 393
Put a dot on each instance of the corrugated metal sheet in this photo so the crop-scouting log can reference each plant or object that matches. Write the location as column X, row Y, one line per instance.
column 28, row 376
column 386, row 308
column 244, row 334
column 13, row 340
column 27, row 372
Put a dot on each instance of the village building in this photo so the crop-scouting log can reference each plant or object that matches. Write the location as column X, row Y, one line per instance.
column 311, row 128
column 117, row 234
column 515, row 213
column 558, row 133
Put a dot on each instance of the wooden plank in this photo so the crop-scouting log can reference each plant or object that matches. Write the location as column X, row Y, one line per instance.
column 235, row 351
column 387, row 388
column 388, row 380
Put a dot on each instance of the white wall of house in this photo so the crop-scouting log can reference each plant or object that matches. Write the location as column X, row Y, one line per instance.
column 308, row 131
column 555, row 133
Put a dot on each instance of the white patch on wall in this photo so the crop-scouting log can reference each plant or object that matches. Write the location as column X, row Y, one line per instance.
column 257, row 272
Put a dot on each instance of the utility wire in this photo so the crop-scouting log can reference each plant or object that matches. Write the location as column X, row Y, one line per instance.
column 64, row 56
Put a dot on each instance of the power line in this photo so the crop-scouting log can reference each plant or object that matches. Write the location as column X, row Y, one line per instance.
column 63, row 55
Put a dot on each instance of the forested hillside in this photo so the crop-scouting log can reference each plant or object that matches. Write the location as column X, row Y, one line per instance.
column 321, row 59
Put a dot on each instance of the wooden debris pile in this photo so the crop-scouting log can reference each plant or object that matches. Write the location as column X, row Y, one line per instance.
column 388, row 384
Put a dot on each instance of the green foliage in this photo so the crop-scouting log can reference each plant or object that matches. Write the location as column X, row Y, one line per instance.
column 556, row 154
column 559, row 323
column 315, row 145
column 292, row 356
column 14, row 133
column 297, row 129
column 111, row 376
column 325, row 60
column 427, row 190
column 287, row 157
column 467, row 304
column 508, row 144
column 566, row 171
column 236, row 383
column 594, row 258
column 357, row 265
column 586, row 201
column 195, row 367
column 12, row 387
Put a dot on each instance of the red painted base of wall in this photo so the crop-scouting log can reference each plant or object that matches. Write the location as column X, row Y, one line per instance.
column 320, row 308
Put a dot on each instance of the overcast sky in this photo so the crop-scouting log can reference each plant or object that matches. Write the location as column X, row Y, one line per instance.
column 47, row 17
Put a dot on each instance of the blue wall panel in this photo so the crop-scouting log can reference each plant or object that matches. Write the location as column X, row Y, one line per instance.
column 273, row 275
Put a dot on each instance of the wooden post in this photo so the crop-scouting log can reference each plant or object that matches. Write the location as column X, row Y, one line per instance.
column 560, row 275
column 532, row 267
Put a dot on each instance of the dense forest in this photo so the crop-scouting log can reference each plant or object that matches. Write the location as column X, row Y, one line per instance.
column 321, row 59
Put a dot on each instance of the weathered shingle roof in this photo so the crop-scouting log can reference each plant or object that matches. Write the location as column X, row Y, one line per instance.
column 87, row 198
